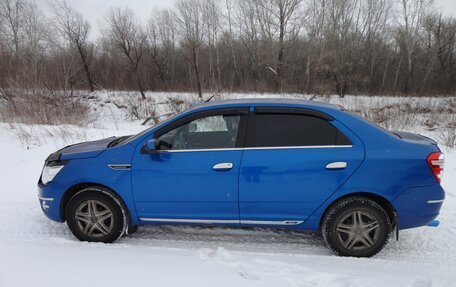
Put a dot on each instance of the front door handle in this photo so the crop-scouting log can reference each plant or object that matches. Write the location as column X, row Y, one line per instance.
column 223, row 166
column 337, row 165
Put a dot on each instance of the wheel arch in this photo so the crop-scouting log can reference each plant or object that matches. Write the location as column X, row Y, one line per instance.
column 73, row 190
column 380, row 200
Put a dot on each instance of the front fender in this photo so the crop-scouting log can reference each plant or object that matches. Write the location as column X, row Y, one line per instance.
column 92, row 171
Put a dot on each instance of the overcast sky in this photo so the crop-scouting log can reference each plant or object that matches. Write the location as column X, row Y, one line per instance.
column 95, row 10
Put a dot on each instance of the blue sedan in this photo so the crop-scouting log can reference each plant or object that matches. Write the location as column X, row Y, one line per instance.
column 273, row 163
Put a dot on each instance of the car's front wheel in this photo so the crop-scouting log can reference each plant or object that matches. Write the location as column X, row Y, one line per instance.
column 94, row 215
column 357, row 227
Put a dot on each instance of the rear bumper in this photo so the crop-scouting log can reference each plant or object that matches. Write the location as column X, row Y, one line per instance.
column 418, row 206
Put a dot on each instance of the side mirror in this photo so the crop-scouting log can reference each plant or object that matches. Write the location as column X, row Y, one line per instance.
column 150, row 147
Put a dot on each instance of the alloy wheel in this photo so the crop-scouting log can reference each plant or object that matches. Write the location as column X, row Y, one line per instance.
column 94, row 218
column 358, row 230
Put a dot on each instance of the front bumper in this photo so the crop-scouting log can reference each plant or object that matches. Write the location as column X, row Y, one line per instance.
column 418, row 206
column 49, row 201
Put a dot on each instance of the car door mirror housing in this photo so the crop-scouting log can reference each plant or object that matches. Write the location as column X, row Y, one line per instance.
column 150, row 147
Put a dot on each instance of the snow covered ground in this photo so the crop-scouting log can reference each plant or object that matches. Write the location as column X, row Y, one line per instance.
column 37, row 252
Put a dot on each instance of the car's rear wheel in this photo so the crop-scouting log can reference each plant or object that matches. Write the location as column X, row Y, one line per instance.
column 357, row 227
column 96, row 216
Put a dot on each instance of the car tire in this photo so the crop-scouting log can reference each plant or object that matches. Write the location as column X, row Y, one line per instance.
column 356, row 227
column 95, row 215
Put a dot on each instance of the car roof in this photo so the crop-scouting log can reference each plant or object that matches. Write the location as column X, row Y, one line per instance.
column 284, row 102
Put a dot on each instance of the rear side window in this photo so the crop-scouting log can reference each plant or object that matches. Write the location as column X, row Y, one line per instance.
column 281, row 130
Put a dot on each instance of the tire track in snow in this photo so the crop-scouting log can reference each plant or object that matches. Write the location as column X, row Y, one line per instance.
column 417, row 245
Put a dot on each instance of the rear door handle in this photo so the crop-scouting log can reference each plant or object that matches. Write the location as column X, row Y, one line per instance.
column 223, row 166
column 337, row 165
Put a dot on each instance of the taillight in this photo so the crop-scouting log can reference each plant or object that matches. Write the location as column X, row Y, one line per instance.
column 436, row 162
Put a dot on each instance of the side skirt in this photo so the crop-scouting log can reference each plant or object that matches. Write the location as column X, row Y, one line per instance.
column 212, row 221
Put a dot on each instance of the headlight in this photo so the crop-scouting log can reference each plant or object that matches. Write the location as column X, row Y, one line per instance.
column 49, row 172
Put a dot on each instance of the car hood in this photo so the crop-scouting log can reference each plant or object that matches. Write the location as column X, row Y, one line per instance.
column 81, row 150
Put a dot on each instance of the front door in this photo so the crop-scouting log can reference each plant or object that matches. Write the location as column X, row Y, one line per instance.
column 193, row 178
column 293, row 162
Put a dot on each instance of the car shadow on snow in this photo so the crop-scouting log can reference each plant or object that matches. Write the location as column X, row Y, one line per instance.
column 252, row 239
column 415, row 245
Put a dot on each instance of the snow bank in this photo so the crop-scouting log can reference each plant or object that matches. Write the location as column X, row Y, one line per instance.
column 37, row 252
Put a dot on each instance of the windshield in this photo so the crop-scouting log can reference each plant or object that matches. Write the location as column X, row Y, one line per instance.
column 118, row 141
column 134, row 137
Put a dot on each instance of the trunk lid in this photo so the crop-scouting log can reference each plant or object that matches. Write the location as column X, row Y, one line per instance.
column 415, row 138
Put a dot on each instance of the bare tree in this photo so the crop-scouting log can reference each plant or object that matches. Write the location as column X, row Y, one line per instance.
column 167, row 29
column 373, row 30
column 36, row 42
column 191, row 24
column 213, row 24
column 154, row 48
column 229, row 7
column 128, row 36
column 75, row 29
column 284, row 14
column 11, row 12
column 376, row 47
column 412, row 15
column 161, row 43
column 249, row 36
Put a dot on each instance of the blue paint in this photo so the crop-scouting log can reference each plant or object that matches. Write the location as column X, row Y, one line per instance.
column 263, row 184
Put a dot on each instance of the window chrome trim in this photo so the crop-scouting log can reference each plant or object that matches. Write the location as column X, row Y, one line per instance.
column 299, row 147
column 222, row 221
column 255, row 148
column 198, row 150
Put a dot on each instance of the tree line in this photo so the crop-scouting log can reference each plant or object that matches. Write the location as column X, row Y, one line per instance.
column 374, row 47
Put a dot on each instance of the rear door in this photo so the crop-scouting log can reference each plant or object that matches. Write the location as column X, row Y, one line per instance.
column 293, row 161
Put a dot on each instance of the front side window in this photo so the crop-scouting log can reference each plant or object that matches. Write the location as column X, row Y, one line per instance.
column 211, row 132
column 282, row 130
